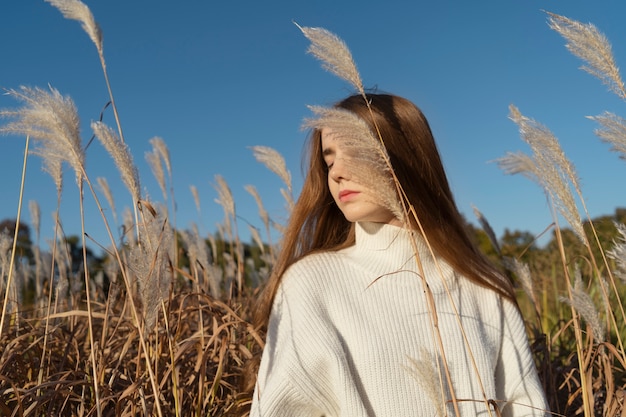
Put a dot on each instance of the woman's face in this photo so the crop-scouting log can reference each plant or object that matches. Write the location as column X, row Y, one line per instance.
column 357, row 203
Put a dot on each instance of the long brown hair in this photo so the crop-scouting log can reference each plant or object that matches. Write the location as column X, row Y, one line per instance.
column 317, row 224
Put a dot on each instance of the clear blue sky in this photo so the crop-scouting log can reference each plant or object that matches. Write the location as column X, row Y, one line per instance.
column 214, row 78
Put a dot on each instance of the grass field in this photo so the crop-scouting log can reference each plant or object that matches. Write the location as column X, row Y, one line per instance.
column 161, row 324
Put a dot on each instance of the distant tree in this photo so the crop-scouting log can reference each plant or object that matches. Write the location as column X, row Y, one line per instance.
column 518, row 244
column 23, row 249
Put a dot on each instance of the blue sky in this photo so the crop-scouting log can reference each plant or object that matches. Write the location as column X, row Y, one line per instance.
column 214, row 78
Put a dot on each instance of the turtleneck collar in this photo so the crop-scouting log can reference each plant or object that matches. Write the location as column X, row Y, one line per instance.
column 383, row 247
column 389, row 238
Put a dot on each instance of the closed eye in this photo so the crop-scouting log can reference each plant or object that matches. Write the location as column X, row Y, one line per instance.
column 329, row 157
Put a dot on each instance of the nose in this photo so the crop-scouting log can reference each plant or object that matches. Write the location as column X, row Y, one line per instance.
column 338, row 171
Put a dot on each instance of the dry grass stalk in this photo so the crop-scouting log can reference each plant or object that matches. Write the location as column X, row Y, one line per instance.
column 77, row 10
column 10, row 284
column 161, row 156
column 230, row 230
column 150, row 262
column 590, row 45
column 207, row 373
column 334, row 54
column 35, row 219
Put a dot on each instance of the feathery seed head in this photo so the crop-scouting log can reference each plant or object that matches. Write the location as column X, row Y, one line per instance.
column 35, row 216
column 106, row 190
column 487, row 229
column 122, row 157
column 522, row 271
column 6, row 242
column 154, row 161
column 225, row 196
column 612, row 131
column 262, row 212
column 159, row 147
column 52, row 121
column 196, row 196
column 583, row 304
column 368, row 158
column 618, row 252
column 274, row 161
column 552, row 170
column 587, row 43
column 334, row 54
column 77, row 10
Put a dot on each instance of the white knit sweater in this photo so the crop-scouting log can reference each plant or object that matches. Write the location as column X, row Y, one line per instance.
column 350, row 334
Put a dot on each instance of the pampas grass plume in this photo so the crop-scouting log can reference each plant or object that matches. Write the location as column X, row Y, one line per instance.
column 612, row 131
column 368, row 160
column 488, row 230
column 274, row 161
column 256, row 237
column 225, row 196
column 52, row 121
column 582, row 302
column 590, row 45
column 334, row 54
column 122, row 157
column 6, row 241
column 35, row 217
column 196, row 196
column 552, row 169
column 77, row 10
column 154, row 160
column 159, row 147
column 425, row 373
column 265, row 218
column 106, row 190
column 618, row 252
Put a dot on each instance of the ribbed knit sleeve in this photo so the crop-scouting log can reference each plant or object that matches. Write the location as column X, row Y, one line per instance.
column 303, row 369
column 516, row 374
column 288, row 376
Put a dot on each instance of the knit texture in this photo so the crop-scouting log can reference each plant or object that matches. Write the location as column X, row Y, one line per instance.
column 351, row 334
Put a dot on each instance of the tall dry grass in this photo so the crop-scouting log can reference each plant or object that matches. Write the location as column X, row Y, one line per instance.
column 161, row 326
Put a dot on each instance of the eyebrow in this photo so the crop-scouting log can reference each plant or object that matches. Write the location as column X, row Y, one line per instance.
column 328, row 152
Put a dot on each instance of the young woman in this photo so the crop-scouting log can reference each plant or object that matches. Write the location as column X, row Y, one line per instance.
column 371, row 313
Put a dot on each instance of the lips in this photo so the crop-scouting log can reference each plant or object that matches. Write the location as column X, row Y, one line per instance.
column 346, row 195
